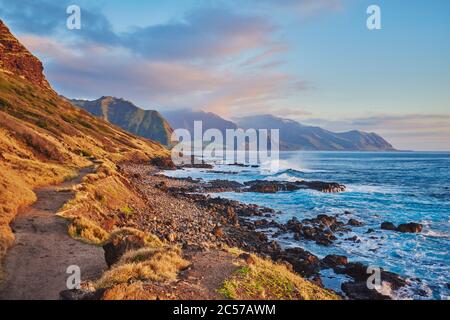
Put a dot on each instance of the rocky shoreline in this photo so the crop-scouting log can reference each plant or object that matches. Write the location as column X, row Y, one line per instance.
column 184, row 213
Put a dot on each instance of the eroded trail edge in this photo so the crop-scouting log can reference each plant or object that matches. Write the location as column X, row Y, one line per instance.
column 36, row 266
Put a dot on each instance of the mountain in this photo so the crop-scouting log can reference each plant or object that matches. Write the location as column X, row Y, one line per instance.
column 44, row 140
column 295, row 136
column 145, row 123
column 184, row 119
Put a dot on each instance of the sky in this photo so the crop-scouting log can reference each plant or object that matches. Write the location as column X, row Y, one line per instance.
column 314, row 61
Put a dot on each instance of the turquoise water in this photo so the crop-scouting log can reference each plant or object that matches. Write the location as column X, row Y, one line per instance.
column 396, row 187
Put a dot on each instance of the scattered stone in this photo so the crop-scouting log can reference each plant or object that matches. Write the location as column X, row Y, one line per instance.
column 355, row 223
column 172, row 237
column 218, row 232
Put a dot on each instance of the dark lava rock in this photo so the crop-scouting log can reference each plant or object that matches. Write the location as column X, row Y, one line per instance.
column 294, row 225
column 326, row 220
column 360, row 291
column 327, row 187
column 410, row 228
column 388, row 226
column 77, row 294
column 355, row 223
column 323, row 240
column 303, row 262
column 332, row 261
column 359, row 272
column 164, row 163
column 262, row 186
column 117, row 247
column 224, row 185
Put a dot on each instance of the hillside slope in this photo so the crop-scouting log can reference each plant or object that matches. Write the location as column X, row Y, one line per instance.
column 45, row 140
column 145, row 123
column 295, row 136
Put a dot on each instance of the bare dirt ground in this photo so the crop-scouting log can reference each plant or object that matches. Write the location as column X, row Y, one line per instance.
column 36, row 265
column 201, row 281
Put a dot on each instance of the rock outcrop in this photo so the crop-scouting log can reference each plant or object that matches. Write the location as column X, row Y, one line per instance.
column 16, row 59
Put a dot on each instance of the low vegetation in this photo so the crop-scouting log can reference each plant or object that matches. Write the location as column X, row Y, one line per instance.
column 147, row 264
column 87, row 231
column 262, row 279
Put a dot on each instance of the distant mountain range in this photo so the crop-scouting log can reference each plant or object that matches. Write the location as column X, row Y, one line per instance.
column 145, row 123
column 184, row 119
column 293, row 135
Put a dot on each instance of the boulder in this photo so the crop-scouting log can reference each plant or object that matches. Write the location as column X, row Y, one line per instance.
column 388, row 226
column 163, row 163
column 411, row 227
column 117, row 247
column 303, row 262
column 332, row 261
column 360, row 291
column 355, row 223
column 79, row 294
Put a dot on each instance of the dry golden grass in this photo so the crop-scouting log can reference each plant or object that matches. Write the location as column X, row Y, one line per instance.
column 150, row 240
column 133, row 291
column 147, row 264
column 267, row 280
column 87, row 231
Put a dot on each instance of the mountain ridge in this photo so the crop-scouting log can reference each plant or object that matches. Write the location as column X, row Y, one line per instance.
column 293, row 135
column 149, row 124
column 297, row 136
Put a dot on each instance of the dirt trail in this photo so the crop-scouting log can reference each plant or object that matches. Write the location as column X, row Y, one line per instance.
column 36, row 265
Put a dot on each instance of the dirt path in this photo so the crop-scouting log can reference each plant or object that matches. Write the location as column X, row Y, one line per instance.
column 36, row 265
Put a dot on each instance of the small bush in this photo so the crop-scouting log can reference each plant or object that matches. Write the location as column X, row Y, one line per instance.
column 126, row 210
column 87, row 231
column 150, row 240
column 161, row 264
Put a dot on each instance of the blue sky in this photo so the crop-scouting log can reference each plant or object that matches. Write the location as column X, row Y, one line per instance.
column 310, row 60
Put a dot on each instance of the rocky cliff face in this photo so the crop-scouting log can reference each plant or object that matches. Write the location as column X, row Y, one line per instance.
column 145, row 123
column 16, row 59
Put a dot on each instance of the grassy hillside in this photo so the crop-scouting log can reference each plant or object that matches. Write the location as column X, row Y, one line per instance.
column 45, row 140
column 145, row 123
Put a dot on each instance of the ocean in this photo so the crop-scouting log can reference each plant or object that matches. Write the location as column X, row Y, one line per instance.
column 399, row 187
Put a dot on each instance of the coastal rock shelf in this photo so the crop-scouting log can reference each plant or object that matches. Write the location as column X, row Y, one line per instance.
column 258, row 186
column 257, row 229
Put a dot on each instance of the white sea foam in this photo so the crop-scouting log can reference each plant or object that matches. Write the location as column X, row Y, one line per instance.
column 371, row 189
